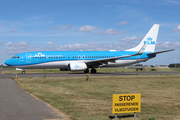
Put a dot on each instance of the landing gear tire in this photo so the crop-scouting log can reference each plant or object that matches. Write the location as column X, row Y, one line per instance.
column 93, row 70
column 87, row 71
column 23, row 72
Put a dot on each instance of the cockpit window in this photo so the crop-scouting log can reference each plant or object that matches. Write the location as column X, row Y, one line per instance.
column 15, row 57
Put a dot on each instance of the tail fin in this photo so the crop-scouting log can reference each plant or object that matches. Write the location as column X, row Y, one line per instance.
column 151, row 38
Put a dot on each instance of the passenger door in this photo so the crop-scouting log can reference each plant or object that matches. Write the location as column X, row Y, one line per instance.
column 28, row 57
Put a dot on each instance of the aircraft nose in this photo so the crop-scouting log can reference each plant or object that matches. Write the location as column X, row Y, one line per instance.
column 7, row 62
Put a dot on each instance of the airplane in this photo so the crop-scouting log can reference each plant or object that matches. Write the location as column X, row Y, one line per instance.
column 85, row 60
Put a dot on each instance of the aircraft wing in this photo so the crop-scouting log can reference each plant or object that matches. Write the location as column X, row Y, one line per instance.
column 105, row 60
column 113, row 59
column 154, row 53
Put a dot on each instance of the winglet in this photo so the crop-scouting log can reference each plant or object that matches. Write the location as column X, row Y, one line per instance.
column 141, row 51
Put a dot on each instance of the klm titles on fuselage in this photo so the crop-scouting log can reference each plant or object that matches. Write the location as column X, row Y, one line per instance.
column 150, row 42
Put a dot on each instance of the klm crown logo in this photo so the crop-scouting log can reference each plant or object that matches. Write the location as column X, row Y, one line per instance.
column 149, row 38
column 77, row 66
column 150, row 42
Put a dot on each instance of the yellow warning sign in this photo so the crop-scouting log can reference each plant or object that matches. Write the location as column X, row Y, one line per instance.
column 126, row 103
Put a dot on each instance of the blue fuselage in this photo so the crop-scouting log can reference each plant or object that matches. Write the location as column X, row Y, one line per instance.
column 60, row 59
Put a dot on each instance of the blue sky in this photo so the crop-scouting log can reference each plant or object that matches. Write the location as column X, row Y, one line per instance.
column 38, row 25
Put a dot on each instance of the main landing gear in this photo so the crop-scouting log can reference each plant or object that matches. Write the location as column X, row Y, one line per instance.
column 87, row 71
column 23, row 72
column 92, row 70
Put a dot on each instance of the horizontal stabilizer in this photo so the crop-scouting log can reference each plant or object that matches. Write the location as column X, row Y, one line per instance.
column 160, row 52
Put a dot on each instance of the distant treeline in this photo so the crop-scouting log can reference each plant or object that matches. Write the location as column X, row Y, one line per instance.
column 174, row 65
column 6, row 67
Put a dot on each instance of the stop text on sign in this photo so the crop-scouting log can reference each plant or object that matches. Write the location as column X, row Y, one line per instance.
column 126, row 103
column 126, row 98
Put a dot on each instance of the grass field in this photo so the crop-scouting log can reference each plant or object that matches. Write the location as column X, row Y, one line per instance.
column 10, row 71
column 92, row 100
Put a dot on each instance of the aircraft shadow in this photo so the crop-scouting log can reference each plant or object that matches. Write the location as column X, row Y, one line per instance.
column 99, row 73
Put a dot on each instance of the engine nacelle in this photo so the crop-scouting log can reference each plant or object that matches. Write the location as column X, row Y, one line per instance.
column 77, row 66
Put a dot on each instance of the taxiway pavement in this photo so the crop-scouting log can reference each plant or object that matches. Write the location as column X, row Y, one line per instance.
column 16, row 104
column 73, row 74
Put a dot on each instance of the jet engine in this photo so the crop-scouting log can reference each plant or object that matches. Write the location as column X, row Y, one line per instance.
column 77, row 66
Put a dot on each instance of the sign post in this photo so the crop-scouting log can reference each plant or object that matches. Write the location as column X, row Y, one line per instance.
column 126, row 103
column 88, row 77
column 134, row 115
